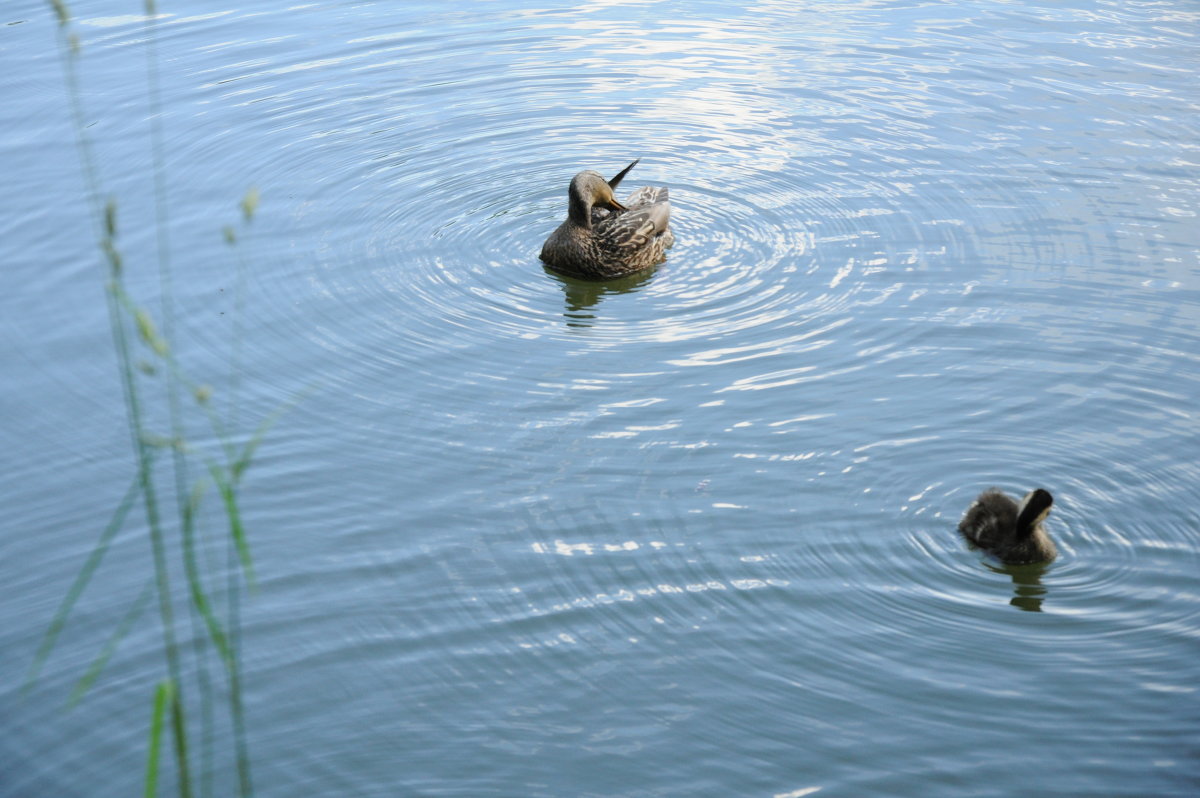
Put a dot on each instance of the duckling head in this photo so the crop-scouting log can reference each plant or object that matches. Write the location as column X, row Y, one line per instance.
column 588, row 189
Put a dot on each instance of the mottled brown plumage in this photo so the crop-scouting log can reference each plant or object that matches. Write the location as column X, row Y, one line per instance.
column 601, row 238
column 1011, row 532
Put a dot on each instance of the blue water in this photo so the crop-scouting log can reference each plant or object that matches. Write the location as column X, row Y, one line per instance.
column 687, row 534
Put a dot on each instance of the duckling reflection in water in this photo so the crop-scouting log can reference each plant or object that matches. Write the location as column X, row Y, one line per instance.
column 1028, row 591
column 601, row 238
column 1010, row 531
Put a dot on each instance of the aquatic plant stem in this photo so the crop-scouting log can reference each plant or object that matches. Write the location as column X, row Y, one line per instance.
column 93, row 672
column 129, row 321
column 81, row 582
column 162, row 578
column 163, row 694
column 106, row 227
column 241, row 750
column 233, row 585
column 167, row 312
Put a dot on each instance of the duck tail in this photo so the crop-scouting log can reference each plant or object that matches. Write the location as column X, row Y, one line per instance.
column 1033, row 509
column 621, row 174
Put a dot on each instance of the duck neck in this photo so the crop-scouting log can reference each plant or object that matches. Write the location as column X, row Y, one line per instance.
column 579, row 211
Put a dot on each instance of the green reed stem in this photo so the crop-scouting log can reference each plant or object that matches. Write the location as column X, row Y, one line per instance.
column 236, row 545
column 237, row 531
column 67, row 53
column 105, row 224
column 235, row 365
column 162, row 576
column 122, row 312
column 245, row 783
column 199, row 646
column 200, row 598
column 179, row 462
column 233, row 585
column 117, row 297
column 163, row 694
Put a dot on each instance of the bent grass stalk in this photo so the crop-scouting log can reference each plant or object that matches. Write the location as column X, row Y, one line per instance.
column 80, row 584
column 93, row 672
column 125, row 313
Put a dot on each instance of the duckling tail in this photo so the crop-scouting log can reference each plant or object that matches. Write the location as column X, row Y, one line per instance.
column 1034, row 507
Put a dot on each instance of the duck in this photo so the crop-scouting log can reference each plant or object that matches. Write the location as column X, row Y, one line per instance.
column 1010, row 531
column 602, row 238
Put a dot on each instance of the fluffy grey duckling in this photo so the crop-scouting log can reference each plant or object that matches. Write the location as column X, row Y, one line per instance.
column 603, row 239
column 1012, row 532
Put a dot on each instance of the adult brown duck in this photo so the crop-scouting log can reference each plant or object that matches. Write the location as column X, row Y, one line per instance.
column 602, row 238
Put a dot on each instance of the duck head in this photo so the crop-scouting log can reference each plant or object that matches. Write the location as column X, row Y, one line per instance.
column 588, row 189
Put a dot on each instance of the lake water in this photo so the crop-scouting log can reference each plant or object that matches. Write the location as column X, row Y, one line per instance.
column 687, row 534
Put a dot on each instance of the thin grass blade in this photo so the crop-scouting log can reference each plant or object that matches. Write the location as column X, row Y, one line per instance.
column 93, row 672
column 163, row 695
column 239, row 466
column 81, row 582
column 229, row 498
column 199, row 595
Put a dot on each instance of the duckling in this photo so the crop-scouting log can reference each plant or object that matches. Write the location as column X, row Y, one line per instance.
column 1010, row 531
column 601, row 238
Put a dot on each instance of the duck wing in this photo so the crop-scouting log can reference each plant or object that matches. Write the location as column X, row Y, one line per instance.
column 646, row 195
column 635, row 228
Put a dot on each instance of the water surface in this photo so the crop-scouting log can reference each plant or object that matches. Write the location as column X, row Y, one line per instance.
column 689, row 533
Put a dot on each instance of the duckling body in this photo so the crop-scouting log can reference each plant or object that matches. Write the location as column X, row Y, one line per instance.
column 1009, row 530
column 601, row 238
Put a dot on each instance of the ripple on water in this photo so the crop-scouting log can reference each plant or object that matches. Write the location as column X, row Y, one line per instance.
column 745, row 466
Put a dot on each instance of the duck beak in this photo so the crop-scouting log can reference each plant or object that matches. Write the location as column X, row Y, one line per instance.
column 612, row 204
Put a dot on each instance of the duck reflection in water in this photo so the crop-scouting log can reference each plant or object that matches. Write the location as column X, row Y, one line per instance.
column 582, row 296
column 1028, row 590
